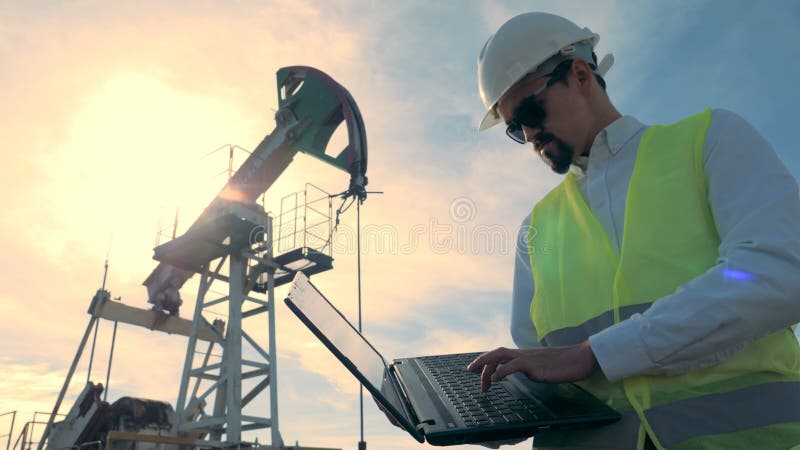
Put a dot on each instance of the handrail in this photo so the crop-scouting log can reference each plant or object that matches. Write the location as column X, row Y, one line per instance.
column 22, row 435
column 304, row 220
column 27, row 431
column 99, row 444
column 10, row 431
column 181, row 442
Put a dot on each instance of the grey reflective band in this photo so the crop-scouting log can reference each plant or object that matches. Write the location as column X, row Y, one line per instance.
column 579, row 333
column 729, row 412
column 621, row 435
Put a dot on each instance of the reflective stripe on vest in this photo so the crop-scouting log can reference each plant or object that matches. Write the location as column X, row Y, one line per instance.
column 723, row 413
column 577, row 334
column 669, row 238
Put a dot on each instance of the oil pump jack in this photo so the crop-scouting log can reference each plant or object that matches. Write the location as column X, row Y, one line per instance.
column 231, row 243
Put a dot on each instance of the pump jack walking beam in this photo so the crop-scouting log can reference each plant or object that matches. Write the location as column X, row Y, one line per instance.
column 311, row 107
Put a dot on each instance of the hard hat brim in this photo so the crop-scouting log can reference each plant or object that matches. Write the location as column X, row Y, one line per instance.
column 489, row 120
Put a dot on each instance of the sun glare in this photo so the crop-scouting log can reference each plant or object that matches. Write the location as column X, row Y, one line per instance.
column 140, row 148
column 135, row 152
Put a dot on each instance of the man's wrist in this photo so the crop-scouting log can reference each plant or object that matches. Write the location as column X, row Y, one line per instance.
column 587, row 350
column 620, row 352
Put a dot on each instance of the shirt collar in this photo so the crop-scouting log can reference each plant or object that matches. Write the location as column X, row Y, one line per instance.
column 613, row 137
column 618, row 133
column 579, row 166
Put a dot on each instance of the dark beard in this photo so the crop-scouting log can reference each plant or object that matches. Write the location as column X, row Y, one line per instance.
column 561, row 159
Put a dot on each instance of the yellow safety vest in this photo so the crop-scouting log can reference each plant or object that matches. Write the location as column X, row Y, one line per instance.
column 749, row 401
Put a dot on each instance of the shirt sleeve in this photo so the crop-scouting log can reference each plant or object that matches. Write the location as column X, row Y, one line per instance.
column 522, row 329
column 751, row 291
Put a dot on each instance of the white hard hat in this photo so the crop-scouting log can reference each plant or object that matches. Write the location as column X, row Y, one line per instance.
column 520, row 46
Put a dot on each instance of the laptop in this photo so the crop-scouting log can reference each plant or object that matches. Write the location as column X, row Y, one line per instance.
column 435, row 398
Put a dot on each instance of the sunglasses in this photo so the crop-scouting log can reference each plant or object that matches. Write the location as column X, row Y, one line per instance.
column 529, row 112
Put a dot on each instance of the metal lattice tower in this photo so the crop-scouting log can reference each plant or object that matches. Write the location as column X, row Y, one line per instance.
column 233, row 232
column 226, row 376
column 231, row 243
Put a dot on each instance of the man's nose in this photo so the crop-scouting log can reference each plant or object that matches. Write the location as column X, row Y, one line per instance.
column 530, row 132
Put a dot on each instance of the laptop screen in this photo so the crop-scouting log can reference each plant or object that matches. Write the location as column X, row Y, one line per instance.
column 338, row 331
column 347, row 344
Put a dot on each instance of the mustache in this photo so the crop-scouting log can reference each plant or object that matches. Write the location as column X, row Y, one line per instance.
column 542, row 139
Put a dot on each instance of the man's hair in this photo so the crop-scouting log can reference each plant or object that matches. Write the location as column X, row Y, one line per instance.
column 563, row 67
column 600, row 79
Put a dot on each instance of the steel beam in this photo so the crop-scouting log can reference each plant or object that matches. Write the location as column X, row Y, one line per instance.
column 70, row 372
column 233, row 350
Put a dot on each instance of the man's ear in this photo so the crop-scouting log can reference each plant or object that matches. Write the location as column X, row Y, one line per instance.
column 582, row 73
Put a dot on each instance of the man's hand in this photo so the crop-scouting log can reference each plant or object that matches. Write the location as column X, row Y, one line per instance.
column 546, row 364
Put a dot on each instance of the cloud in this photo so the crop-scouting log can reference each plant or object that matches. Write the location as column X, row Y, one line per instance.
column 28, row 387
column 116, row 106
column 108, row 113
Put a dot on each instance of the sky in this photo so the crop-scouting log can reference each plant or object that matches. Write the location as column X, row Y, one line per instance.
column 111, row 114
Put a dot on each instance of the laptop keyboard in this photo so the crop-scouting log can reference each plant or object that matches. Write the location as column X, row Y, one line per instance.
column 476, row 408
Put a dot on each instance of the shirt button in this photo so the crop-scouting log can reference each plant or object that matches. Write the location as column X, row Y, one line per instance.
column 600, row 204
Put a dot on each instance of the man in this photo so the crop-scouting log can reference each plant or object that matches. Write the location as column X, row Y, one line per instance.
column 662, row 273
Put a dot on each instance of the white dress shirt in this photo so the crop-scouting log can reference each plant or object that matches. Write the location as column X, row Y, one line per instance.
column 754, row 288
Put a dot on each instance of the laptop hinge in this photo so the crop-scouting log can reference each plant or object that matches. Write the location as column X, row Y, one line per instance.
column 404, row 398
column 408, row 402
column 421, row 425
